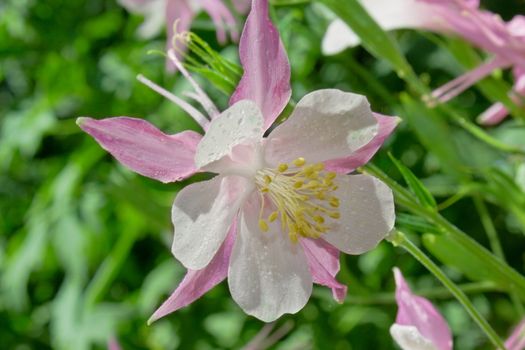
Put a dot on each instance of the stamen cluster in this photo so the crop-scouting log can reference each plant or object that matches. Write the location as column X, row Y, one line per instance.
column 302, row 196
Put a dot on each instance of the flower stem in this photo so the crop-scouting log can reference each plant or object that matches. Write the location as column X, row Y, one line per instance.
column 495, row 244
column 399, row 239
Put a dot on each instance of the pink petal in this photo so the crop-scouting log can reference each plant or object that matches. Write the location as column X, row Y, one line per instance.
column 516, row 340
column 365, row 153
column 456, row 86
column 266, row 78
column 242, row 6
column 493, row 115
column 196, row 283
column 497, row 112
column 323, row 260
column 113, row 344
column 420, row 313
column 145, row 149
column 222, row 18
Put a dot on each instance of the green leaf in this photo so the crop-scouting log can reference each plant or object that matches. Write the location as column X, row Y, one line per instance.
column 451, row 253
column 423, row 195
column 433, row 132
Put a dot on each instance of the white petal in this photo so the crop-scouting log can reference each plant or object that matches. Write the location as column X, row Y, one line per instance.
column 268, row 274
column 242, row 123
column 409, row 338
column 389, row 14
column 153, row 12
column 367, row 214
column 202, row 214
column 325, row 124
column 338, row 37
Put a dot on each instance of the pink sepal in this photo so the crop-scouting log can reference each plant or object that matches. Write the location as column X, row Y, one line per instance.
column 196, row 283
column 145, row 149
column 323, row 261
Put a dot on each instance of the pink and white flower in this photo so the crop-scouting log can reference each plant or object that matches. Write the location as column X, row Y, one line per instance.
column 504, row 40
column 516, row 341
column 280, row 207
column 160, row 13
column 418, row 326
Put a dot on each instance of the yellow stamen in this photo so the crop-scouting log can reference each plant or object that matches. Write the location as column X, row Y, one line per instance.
column 303, row 197
column 282, row 167
column 263, row 225
column 299, row 162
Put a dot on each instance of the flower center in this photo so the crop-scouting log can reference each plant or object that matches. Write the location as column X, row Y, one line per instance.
column 302, row 195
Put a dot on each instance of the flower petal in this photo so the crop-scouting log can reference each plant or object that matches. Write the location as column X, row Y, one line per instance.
column 152, row 11
column 365, row 153
column 323, row 261
column 242, row 6
column 201, row 215
column 145, row 149
column 325, row 124
column 222, row 18
column 409, row 338
column 240, row 124
column 367, row 214
column 338, row 37
column 266, row 78
column 197, row 282
column 389, row 14
column 516, row 340
column 420, row 313
column 268, row 274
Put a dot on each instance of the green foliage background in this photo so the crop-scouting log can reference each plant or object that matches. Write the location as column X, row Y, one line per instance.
column 84, row 243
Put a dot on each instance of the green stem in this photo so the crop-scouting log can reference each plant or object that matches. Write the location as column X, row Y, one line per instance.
column 481, row 134
column 110, row 267
column 514, row 281
column 399, row 239
column 488, row 225
column 452, row 200
column 495, row 244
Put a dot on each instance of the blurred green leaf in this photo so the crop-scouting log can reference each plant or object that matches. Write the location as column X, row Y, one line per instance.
column 423, row 195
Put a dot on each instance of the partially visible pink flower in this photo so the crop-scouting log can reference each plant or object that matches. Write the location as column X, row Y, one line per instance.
column 504, row 40
column 274, row 218
column 516, row 340
column 160, row 13
column 418, row 326
column 113, row 344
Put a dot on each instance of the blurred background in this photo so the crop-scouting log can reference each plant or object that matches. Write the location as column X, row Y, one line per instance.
column 84, row 243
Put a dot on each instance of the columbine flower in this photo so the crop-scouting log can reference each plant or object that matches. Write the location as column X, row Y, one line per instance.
column 504, row 40
column 158, row 13
column 418, row 326
column 280, row 208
